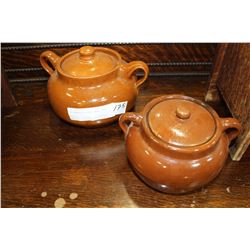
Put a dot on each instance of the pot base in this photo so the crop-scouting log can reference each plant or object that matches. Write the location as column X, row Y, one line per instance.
column 162, row 187
column 91, row 124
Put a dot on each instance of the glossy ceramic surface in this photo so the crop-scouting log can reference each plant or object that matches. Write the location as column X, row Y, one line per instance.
column 91, row 77
column 177, row 144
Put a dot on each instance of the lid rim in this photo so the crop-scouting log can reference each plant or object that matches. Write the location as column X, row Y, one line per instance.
column 62, row 72
column 176, row 145
column 181, row 148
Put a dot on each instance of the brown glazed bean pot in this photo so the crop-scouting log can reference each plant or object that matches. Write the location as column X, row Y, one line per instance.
column 177, row 144
column 91, row 86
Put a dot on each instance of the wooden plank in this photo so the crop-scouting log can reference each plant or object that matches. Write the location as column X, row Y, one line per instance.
column 8, row 99
column 232, row 77
column 234, row 85
column 167, row 68
column 212, row 93
column 22, row 58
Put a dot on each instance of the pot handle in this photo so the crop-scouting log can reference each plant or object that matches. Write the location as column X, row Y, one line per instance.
column 131, row 67
column 129, row 117
column 231, row 123
column 52, row 58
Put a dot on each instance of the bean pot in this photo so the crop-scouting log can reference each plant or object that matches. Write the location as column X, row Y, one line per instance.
column 91, row 86
column 177, row 144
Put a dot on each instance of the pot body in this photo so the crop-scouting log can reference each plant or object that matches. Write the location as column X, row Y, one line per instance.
column 66, row 93
column 174, row 173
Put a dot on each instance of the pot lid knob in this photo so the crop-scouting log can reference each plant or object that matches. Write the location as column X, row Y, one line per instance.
column 182, row 113
column 87, row 53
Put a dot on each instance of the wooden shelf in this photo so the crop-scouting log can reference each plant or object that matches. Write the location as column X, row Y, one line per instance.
column 41, row 153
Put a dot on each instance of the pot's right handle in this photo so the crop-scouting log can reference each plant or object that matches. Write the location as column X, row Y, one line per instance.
column 129, row 117
column 52, row 58
column 131, row 67
column 232, row 123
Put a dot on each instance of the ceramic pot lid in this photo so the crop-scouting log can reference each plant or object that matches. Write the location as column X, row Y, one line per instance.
column 181, row 122
column 89, row 62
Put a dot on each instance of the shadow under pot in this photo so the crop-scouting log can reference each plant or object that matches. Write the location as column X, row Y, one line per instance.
column 177, row 144
column 91, row 86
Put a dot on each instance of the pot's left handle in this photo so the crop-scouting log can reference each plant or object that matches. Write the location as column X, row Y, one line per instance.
column 234, row 125
column 129, row 117
column 131, row 67
column 52, row 58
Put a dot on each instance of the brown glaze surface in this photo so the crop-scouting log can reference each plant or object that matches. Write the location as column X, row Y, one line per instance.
column 91, row 78
column 180, row 167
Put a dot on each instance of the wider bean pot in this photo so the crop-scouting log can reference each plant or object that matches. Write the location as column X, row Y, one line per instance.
column 91, row 86
column 177, row 144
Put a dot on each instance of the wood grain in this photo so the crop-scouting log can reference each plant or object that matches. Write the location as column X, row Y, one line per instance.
column 7, row 98
column 41, row 153
column 232, row 77
column 173, row 52
column 212, row 93
column 22, row 60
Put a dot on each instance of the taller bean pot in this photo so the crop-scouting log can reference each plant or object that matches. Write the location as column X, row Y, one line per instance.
column 91, row 86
